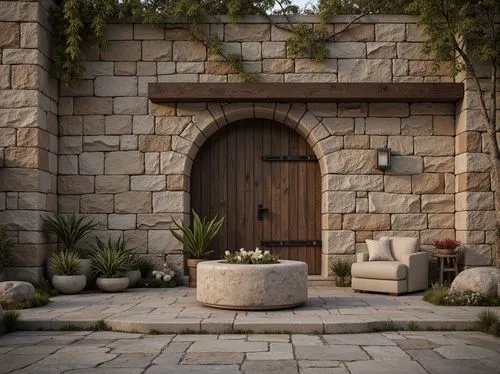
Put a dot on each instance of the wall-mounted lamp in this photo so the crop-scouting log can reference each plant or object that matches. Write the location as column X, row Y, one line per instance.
column 383, row 158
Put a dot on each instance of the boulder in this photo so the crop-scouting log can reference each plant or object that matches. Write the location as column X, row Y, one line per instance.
column 483, row 280
column 14, row 291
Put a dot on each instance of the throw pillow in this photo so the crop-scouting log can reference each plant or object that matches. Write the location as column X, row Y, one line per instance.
column 379, row 250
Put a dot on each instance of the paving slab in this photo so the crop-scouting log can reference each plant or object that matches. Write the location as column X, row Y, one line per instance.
column 437, row 366
column 386, row 353
column 260, row 367
column 384, row 367
column 130, row 360
column 331, row 352
column 211, row 358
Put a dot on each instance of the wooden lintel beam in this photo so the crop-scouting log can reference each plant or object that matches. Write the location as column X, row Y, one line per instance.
column 304, row 92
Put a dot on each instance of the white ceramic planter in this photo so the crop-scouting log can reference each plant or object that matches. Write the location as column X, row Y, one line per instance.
column 112, row 284
column 252, row 287
column 134, row 276
column 69, row 284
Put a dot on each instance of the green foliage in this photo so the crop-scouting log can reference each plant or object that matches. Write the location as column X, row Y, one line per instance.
column 197, row 238
column 39, row 299
column 65, row 262
column 101, row 325
column 10, row 321
column 5, row 248
column 488, row 321
column 440, row 294
column 436, row 294
column 145, row 266
column 111, row 259
column 250, row 257
column 69, row 229
column 342, row 267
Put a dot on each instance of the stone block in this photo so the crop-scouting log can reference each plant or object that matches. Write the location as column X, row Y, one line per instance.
column 162, row 241
column 312, row 66
column 378, row 141
column 383, row 202
column 21, row 179
column 219, row 67
column 130, row 105
column 146, row 68
column 101, row 143
column 166, row 68
column 366, row 222
column 32, row 201
column 468, row 142
column 118, row 125
column 143, row 125
column 133, row 202
column 92, row 105
column 128, row 143
column 383, row 126
column 473, row 182
column 152, row 163
column 339, row 126
column 178, row 183
column 408, row 221
column 331, row 221
column 412, row 51
column 122, row 51
column 240, row 32
column 251, row 51
column 400, row 145
column 25, row 117
column 161, row 50
column 339, row 202
column 129, row 162
column 471, row 163
column 354, row 32
column 111, row 183
column 381, row 50
column 357, row 142
column 136, row 239
column 273, row 50
column 444, row 125
column 174, row 163
column 91, row 163
column 397, row 183
column 115, row 86
column 170, row 202
column 189, row 51
column 148, row 183
column 7, row 137
column 155, row 143
column 416, row 125
column 428, row 183
column 356, row 70
column 9, row 35
column 388, row 110
column 336, row 182
column 439, row 203
column 93, row 125
column 471, row 237
column 406, row 165
column 68, row 203
column 478, row 255
column 75, row 184
column 96, row 203
column 4, row 77
column 441, row 221
column 25, row 77
column 190, row 67
column 10, row 99
column 311, row 78
column 148, row 32
column 390, row 32
column 351, row 162
column 67, row 164
column 94, row 69
column 278, row 66
column 122, row 222
column 439, row 164
column 474, row 201
column 427, row 236
column 435, row 109
column 161, row 221
column 338, row 241
column 434, row 146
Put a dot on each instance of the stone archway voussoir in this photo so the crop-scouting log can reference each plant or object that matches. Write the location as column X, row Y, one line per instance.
column 238, row 111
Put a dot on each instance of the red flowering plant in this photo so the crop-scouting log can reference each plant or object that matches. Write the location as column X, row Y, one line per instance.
column 446, row 244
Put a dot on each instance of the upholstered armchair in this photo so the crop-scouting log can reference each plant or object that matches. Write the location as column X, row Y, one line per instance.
column 407, row 271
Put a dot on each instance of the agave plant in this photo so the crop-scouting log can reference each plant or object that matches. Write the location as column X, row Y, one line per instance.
column 197, row 238
column 65, row 262
column 69, row 229
column 111, row 259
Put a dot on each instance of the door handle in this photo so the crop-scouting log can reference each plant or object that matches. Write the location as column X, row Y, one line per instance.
column 260, row 212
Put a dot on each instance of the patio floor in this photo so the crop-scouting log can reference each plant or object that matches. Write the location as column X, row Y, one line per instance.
column 328, row 310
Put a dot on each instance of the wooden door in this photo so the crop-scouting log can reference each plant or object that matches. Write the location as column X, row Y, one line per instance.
column 260, row 163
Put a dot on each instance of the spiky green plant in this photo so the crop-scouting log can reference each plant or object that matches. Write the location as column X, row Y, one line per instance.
column 145, row 266
column 111, row 259
column 69, row 229
column 197, row 238
column 488, row 321
column 10, row 320
column 65, row 262
column 5, row 248
column 342, row 267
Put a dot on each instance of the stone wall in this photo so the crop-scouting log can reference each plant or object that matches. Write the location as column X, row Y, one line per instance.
column 28, row 133
column 126, row 161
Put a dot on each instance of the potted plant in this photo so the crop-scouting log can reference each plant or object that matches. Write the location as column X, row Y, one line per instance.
column 110, row 264
column 446, row 246
column 134, row 275
column 341, row 267
column 66, row 265
column 196, row 240
column 5, row 251
column 70, row 230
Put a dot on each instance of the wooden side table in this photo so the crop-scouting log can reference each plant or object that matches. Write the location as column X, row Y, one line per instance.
column 447, row 264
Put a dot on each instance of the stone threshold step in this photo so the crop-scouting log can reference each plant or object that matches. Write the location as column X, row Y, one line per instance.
column 263, row 326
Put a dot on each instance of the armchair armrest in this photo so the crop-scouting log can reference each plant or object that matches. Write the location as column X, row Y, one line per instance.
column 418, row 269
column 362, row 257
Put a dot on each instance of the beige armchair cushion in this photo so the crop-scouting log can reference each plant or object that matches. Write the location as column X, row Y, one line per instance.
column 386, row 270
column 402, row 246
column 379, row 250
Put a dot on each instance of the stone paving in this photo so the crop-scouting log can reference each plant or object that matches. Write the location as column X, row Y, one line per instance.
column 175, row 310
column 126, row 353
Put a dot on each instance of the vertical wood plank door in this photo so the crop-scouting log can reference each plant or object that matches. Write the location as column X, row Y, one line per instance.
column 233, row 175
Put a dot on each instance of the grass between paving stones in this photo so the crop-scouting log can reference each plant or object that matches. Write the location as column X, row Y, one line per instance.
column 439, row 294
column 100, row 325
column 488, row 321
column 9, row 322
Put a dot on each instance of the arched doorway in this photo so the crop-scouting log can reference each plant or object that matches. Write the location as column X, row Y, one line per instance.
column 264, row 179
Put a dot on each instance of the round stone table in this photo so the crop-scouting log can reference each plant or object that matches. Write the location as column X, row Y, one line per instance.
column 252, row 287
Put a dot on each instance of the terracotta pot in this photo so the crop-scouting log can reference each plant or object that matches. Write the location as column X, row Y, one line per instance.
column 445, row 251
column 69, row 284
column 112, row 284
column 192, row 263
column 134, row 276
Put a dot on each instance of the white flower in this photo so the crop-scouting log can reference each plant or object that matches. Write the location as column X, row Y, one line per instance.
column 242, row 249
column 167, row 277
column 238, row 258
column 154, row 272
column 171, row 273
column 158, row 276
column 260, row 256
column 227, row 253
column 267, row 253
